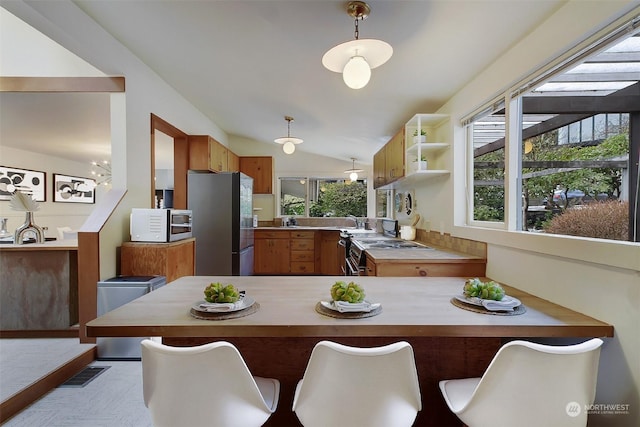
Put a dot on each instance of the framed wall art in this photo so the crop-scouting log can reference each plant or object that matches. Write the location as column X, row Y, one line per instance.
column 27, row 181
column 73, row 189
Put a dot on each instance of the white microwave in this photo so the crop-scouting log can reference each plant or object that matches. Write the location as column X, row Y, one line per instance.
column 160, row 225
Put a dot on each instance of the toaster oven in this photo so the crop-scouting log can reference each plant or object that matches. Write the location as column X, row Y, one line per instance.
column 160, row 225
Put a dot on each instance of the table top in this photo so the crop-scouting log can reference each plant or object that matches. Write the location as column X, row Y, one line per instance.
column 411, row 306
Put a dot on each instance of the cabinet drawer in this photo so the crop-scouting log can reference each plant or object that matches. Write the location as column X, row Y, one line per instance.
column 266, row 234
column 302, row 244
column 302, row 267
column 302, row 234
column 302, row 256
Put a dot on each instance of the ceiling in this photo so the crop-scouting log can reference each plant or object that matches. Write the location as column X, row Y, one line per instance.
column 247, row 64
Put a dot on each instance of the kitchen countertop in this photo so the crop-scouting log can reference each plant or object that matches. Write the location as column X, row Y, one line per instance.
column 316, row 228
column 53, row 245
column 287, row 309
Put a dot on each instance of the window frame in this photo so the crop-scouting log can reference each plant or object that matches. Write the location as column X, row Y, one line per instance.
column 277, row 206
column 613, row 253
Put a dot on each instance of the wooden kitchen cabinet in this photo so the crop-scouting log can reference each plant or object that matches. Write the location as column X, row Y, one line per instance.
column 260, row 168
column 205, row 153
column 303, row 253
column 172, row 260
column 388, row 162
column 271, row 252
column 332, row 255
column 370, row 269
column 233, row 161
column 425, row 269
column 394, row 157
column 379, row 174
column 285, row 251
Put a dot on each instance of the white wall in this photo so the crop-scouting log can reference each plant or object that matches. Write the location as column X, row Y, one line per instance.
column 597, row 278
column 145, row 94
column 50, row 214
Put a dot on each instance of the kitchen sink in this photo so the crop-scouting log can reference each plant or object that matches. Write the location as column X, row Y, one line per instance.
column 395, row 245
column 389, row 243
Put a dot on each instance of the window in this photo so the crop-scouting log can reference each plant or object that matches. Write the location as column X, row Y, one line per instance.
column 487, row 147
column 575, row 150
column 322, row 197
column 293, row 196
column 573, row 165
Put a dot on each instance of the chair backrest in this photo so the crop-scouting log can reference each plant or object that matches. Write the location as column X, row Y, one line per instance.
column 63, row 232
column 349, row 386
column 197, row 386
column 535, row 384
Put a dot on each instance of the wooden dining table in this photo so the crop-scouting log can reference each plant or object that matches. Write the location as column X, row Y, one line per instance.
column 277, row 334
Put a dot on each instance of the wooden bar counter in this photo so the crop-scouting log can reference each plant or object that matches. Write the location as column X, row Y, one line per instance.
column 276, row 341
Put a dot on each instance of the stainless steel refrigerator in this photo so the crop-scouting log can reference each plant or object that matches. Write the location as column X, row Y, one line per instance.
column 222, row 206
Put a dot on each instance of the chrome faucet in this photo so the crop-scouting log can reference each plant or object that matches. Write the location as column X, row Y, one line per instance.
column 354, row 219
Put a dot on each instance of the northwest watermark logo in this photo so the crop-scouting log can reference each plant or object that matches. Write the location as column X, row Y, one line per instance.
column 574, row 409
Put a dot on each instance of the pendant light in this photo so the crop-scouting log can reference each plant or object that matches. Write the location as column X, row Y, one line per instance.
column 356, row 58
column 288, row 142
column 353, row 172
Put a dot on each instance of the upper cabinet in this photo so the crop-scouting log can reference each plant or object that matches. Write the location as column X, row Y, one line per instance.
column 205, row 153
column 414, row 152
column 233, row 162
column 394, row 157
column 379, row 177
column 260, row 168
column 424, row 145
column 388, row 162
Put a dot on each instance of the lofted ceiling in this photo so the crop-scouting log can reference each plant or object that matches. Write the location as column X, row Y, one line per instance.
column 247, row 64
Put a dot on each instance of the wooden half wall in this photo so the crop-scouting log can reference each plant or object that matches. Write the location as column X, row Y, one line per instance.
column 89, row 260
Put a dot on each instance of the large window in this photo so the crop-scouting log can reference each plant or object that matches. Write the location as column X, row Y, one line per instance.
column 487, row 146
column 576, row 144
column 321, row 197
column 576, row 148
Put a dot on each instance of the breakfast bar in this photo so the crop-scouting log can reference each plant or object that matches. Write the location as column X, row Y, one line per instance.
column 39, row 288
column 276, row 339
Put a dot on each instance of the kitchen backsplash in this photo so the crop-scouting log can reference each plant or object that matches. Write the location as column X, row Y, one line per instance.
column 446, row 241
column 319, row 222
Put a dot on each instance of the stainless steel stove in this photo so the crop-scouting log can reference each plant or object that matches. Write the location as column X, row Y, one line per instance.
column 356, row 245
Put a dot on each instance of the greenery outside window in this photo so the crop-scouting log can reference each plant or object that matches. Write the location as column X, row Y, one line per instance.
column 487, row 146
column 575, row 136
column 322, row 197
column 576, row 144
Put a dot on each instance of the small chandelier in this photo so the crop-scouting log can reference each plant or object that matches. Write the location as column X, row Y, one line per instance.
column 356, row 58
column 103, row 174
column 288, row 142
column 353, row 172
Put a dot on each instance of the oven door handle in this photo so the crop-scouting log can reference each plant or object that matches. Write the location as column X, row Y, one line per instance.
column 353, row 271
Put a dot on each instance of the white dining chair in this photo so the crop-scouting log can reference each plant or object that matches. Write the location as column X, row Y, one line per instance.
column 529, row 384
column 358, row 387
column 206, row 385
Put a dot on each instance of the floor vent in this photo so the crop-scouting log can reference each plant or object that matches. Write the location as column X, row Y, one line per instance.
column 84, row 377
